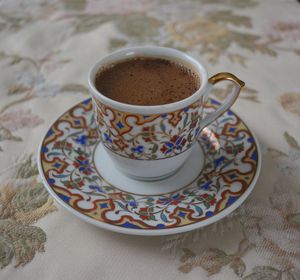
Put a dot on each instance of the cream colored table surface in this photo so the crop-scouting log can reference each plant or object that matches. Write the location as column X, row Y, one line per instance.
column 46, row 49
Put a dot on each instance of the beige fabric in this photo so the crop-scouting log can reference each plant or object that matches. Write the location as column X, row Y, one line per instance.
column 46, row 50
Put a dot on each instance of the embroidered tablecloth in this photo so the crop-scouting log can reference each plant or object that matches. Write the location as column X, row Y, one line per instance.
column 46, row 50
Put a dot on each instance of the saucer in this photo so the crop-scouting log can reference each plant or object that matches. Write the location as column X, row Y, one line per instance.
column 215, row 180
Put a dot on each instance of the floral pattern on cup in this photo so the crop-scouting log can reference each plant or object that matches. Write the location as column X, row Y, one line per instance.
column 148, row 137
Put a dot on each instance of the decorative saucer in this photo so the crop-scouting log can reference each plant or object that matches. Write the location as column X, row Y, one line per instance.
column 203, row 191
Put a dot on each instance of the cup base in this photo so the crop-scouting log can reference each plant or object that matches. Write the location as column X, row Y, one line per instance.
column 150, row 179
column 173, row 181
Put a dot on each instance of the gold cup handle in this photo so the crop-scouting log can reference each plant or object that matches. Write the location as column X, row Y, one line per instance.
column 238, row 84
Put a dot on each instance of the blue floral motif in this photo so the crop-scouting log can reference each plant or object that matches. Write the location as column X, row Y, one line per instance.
column 83, row 165
column 174, row 200
column 176, row 143
column 181, row 214
column 96, row 187
column 139, row 149
column 103, row 205
column 133, row 203
column 107, row 138
column 219, row 161
column 120, row 125
column 164, row 200
column 50, row 132
column 206, row 185
column 87, row 101
column 250, row 140
column 81, row 140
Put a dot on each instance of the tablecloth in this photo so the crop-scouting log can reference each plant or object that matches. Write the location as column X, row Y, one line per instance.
column 46, row 50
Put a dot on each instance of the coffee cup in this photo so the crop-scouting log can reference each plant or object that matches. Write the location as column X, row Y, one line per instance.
column 153, row 142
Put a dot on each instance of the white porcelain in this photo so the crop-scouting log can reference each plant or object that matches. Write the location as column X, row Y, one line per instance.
column 122, row 126
column 81, row 177
column 190, row 169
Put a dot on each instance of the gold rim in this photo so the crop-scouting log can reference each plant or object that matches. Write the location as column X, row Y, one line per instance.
column 226, row 76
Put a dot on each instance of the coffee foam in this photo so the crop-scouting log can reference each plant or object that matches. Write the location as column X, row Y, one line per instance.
column 147, row 81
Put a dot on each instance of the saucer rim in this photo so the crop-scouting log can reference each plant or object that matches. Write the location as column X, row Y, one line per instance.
column 150, row 232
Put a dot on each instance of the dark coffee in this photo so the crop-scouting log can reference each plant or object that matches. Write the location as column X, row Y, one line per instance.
column 147, row 81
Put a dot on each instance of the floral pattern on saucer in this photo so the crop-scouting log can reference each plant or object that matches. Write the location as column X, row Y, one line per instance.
column 66, row 160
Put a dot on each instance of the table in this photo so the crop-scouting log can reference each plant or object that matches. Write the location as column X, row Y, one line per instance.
column 46, row 50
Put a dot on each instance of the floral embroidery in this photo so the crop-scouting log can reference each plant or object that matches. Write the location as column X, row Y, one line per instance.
column 23, row 201
column 290, row 102
column 11, row 121
column 247, row 93
column 212, row 260
column 17, row 119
